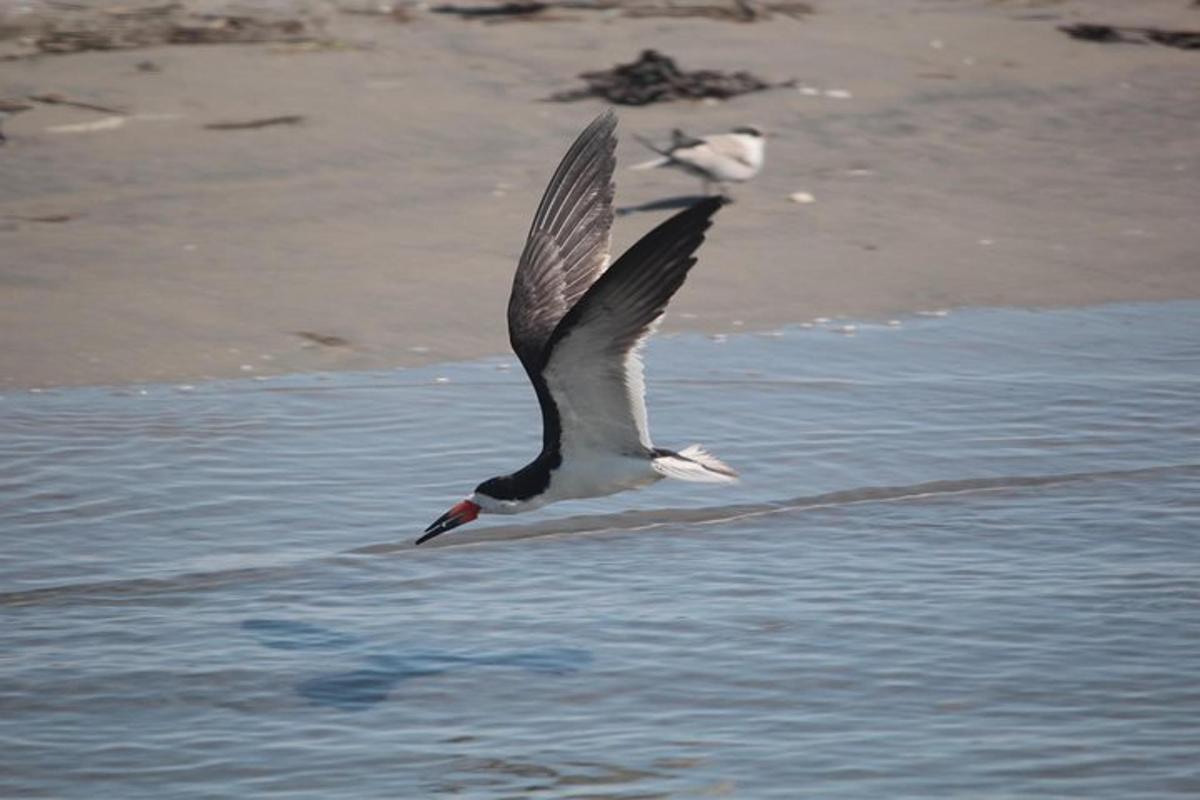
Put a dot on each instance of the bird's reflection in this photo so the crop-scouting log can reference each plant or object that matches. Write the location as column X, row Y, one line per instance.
column 384, row 668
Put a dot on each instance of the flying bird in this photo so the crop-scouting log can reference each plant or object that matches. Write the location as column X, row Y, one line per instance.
column 721, row 158
column 578, row 326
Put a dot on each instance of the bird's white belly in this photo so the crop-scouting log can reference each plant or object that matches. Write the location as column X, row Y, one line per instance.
column 597, row 476
column 732, row 171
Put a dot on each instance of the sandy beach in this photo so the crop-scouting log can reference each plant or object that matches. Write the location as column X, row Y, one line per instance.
column 958, row 152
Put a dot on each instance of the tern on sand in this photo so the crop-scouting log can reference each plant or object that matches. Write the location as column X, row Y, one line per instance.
column 578, row 326
column 721, row 158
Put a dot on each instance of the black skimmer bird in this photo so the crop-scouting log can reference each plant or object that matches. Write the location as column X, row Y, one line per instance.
column 720, row 158
column 578, row 326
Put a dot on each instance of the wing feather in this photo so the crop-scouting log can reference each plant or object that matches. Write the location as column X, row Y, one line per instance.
column 568, row 243
column 593, row 366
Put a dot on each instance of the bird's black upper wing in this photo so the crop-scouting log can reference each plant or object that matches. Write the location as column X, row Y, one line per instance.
column 567, row 247
column 593, row 368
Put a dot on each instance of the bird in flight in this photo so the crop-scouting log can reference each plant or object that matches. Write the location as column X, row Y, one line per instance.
column 720, row 158
column 578, row 326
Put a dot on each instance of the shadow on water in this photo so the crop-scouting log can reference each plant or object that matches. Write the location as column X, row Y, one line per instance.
column 385, row 668
column 665, row 204
column 135, row 589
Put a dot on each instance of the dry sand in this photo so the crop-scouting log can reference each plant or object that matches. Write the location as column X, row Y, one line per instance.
column 982, row 158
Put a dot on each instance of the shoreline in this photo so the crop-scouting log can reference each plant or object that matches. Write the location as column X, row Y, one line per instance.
column 507, row 362
column 983, row 158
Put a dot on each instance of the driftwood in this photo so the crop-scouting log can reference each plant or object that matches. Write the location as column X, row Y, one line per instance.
column 655, row 78
column 1130, row 34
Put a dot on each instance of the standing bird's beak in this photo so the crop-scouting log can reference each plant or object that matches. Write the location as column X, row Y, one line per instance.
column 462, row 513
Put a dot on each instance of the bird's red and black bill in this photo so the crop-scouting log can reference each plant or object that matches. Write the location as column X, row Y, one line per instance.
column 458, row 515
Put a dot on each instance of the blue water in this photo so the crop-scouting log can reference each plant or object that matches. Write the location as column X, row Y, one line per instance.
column 964, row 561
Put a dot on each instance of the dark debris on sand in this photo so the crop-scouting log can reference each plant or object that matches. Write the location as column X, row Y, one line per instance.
column 656, row 78
column 253, row 124
column 726, row 10
column 80, row 28
column 1131, row 34
column 730, row 11
column 515, row 9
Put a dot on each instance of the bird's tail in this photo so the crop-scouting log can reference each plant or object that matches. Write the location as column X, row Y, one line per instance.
column 693, row 464
column 652, row 163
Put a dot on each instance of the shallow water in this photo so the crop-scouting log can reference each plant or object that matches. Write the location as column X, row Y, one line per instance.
column 963, row 562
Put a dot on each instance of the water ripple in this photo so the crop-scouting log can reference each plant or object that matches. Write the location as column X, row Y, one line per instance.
column 962, row 562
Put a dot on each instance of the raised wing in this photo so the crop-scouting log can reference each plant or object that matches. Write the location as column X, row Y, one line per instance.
column 594, row 369
column 567, row 247
column 679, row 140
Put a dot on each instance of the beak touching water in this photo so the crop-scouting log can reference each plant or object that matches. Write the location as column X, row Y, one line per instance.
column 461, row 513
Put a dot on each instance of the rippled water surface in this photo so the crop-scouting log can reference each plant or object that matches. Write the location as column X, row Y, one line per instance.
column 964, row 562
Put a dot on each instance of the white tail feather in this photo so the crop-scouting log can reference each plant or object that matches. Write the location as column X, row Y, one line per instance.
column 652, row 163
column 695, row 464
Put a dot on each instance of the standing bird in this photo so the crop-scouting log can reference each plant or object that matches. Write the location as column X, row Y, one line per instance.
column 721, row 158
column 578, row 326
column 10, row 108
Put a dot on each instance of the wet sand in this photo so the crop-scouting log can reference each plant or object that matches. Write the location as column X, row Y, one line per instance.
column 982, row 158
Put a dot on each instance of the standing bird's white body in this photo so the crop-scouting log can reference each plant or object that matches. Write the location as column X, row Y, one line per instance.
column 721, row 158
column 578, row 324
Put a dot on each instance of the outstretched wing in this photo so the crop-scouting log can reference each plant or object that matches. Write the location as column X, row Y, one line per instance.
column 593, row 367
column 567, row 247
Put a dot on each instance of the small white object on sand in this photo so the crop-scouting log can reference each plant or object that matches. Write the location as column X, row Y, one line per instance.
column 105, row 124
column 838, row 94
column 802, row 198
